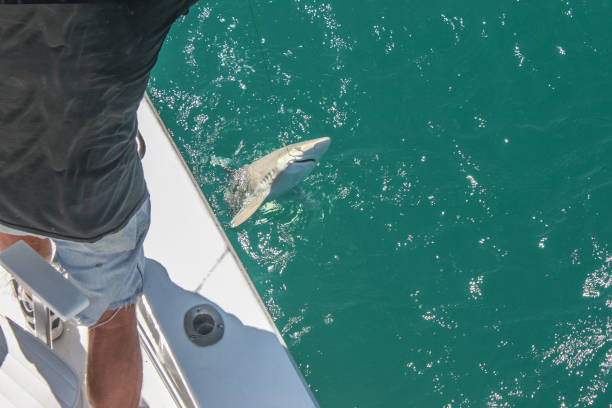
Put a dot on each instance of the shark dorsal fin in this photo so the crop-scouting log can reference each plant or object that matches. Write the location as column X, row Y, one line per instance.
column 250, row 206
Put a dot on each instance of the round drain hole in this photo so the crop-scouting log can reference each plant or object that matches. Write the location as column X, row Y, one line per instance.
column 203, row 325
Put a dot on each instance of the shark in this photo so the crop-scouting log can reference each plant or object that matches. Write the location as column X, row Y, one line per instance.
column 271, row 176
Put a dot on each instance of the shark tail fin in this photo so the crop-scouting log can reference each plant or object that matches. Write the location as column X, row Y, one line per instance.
column 249, row 208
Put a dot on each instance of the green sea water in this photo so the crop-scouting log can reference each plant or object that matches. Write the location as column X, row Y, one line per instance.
column 454, row 246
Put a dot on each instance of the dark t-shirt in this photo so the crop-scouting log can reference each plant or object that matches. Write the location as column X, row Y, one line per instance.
column 71, row 79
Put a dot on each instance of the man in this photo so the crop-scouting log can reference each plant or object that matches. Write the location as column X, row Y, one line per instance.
column 71, row 79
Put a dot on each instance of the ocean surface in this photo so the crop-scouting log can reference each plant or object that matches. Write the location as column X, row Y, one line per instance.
column 453, row 248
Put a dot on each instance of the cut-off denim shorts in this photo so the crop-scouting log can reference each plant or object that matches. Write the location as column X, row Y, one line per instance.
column 110, row 270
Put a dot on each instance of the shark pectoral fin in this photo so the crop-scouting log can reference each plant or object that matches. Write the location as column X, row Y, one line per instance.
column 249, row 208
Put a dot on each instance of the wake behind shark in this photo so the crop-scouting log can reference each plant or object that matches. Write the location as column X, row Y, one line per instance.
column 272, row 175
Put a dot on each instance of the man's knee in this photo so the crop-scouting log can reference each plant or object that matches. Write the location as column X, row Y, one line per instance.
column 122, row 317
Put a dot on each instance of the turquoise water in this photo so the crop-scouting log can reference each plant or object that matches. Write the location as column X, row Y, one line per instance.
column 453, row 247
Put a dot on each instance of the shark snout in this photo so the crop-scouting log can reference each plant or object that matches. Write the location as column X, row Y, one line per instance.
column 310, row 150
column 322, row 144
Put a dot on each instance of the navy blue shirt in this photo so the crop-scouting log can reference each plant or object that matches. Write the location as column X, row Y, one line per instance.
column 71, row 80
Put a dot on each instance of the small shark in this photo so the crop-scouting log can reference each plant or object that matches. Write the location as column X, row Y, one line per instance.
column 272, row 175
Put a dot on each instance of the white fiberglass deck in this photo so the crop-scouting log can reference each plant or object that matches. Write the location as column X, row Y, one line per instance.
column 185, row 236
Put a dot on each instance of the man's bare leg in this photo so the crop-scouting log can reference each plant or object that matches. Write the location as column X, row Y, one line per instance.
column 114, row 363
